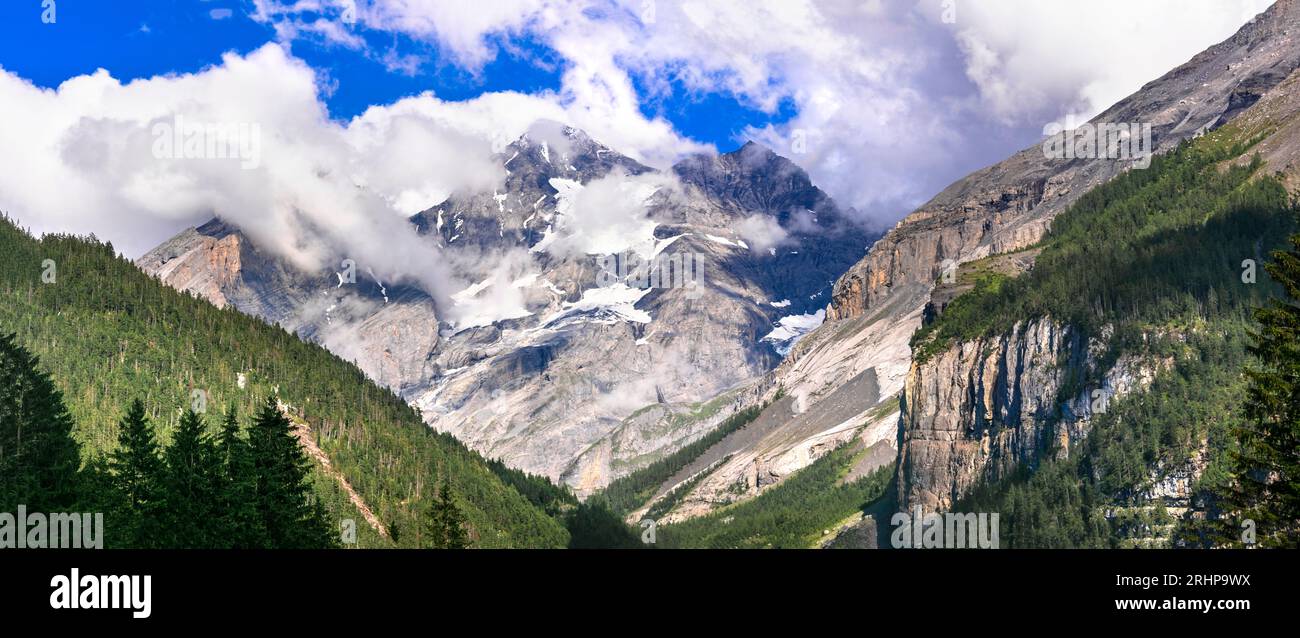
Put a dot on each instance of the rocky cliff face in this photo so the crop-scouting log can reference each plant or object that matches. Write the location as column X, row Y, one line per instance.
column 201, row 260
column 389, row 331
column 980, row 409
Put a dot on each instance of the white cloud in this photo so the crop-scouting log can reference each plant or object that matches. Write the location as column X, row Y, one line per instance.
column 415, row 158
column 321, row 191
column 891, row 105
column 762, row 233
column 463, row 27
column 608, row 216
column 499, row 296
column 84, row 161
column 1043, row 60
column 886, row 94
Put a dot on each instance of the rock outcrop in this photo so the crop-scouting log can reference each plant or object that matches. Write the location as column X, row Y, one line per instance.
column 980, row 409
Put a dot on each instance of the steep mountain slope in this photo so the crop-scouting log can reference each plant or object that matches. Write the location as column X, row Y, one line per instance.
column 1010, row 204
column 109, row 333
column 1003, row 209
column 1019, row 367
column 1147, row 284
column 580, row 350
column 1060, row 362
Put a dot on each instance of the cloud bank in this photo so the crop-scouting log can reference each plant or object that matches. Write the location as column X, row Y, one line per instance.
column 891, row 102
column 894, row 99
column 95, row 155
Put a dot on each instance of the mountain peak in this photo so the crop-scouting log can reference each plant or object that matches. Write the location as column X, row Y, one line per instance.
column 751, row 159
column 752, row 152
column 555, row 149
column 551, row 131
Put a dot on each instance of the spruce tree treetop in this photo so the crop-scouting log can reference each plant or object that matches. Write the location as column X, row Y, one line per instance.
column 284, row 499
column 138, row 474
column 1267, row 493
column 39, row 459
column 193, row 477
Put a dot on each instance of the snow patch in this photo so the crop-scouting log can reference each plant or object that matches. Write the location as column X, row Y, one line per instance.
column 789, row 330
column 663, row 244
column 616, row 302
column 734, row 243
column 477, row 309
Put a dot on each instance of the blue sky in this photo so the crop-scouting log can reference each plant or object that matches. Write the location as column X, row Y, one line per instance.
column 883, row 102
column 145, row 38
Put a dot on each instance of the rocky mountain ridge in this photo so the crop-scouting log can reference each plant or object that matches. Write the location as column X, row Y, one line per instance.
column 881, row 301
column 552, row 364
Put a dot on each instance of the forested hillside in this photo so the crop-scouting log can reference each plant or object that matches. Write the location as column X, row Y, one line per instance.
column 1166, row 264
column 793, row 514
column 108, row 334
column 624, row 495
column 200, row 491
column 1155, row 246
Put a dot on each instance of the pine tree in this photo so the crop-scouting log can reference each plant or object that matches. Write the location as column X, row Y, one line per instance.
column 192, row 482
column 100, row 493
column 445, row 525
column 110, row 332
column 137, row 472
column 39, row 459
column 1267, row 462
column 240, row 524
column 284, row 497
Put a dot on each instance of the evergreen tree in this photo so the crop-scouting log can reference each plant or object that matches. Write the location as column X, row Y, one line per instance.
column 39, row 458
column 137, row 472
column 100, row 493
column 191, row 487
column 240, row 524
column 1267, row 461
column 284, row 499
column 593, row 526
column 108, row 332
column 445, row 525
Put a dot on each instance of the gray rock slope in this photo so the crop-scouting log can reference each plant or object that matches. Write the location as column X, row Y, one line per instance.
column 562, row 360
